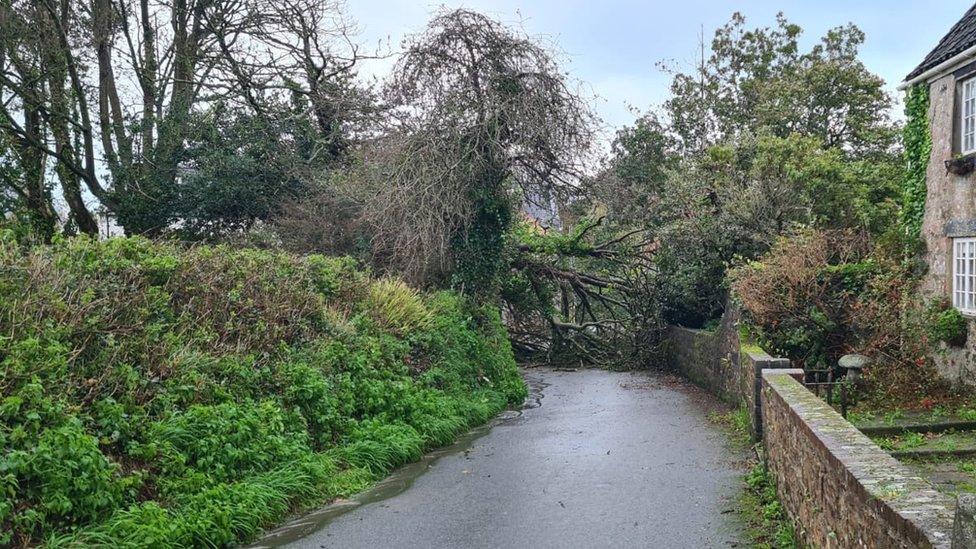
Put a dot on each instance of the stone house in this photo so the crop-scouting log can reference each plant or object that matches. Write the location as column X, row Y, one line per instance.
column 949, row 222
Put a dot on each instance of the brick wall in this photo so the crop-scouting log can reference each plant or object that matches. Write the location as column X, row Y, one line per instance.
column 840, row 489
column 709, row 358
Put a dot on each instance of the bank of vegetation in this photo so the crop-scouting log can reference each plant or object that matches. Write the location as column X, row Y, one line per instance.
column 156, row 395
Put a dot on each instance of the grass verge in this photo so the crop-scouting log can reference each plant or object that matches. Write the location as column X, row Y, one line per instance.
column 765, row 520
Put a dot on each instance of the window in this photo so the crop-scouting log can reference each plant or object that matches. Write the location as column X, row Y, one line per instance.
column 964, row 275
column 968, row 112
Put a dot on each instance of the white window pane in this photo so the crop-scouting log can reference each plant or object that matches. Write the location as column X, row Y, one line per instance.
column 967, row 115
column 963, row 276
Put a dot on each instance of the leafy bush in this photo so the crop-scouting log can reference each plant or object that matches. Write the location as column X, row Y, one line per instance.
column 948, row 325
column 818, row 295
column 64, row 479
column 158, row 395
column 801, row 295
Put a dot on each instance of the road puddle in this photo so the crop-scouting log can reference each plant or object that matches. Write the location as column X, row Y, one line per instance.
column 400, row 480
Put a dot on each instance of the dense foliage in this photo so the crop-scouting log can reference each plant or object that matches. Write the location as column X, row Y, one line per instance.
column 817, row 295
column 756, row 80
column 580, row 296
column 152, row 395
column 758, row 140
column 105, row 99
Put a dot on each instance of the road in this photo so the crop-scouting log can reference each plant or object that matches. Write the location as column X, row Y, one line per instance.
column 597, row 459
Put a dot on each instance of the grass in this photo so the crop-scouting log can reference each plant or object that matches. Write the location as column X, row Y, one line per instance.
column 766, row 523
column 906, row 441
column 736, row 425
column 896, row 416
column 948, row 441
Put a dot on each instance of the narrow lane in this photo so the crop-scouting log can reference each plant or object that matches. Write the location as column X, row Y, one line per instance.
column 607, row 460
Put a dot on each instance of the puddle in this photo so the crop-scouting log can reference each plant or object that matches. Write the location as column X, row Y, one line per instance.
column 401, row 479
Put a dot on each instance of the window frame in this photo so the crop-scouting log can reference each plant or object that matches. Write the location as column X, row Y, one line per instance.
column 964, row 283
column 967, row 84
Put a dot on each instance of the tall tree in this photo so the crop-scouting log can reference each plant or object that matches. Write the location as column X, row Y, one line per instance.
column 487, row 120
column 108, row 89
column 758, row 81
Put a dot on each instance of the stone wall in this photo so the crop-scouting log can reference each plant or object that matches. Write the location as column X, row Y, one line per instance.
column 709, row 358
column 720, row 363
column 841, row 489
column 950, row 209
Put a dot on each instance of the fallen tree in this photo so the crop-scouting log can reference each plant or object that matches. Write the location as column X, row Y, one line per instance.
column 583, row 295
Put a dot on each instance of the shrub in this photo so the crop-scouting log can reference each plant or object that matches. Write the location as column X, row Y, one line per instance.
column 801, row 294
column 818, row 295
column 397, row 307
column 230, row 440
column 948, row 325
column 63, row 479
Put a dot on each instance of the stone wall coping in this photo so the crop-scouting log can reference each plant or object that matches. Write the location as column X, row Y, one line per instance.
column 757, row 354
column 692, row 330
column 906, row 501
column 794, row 373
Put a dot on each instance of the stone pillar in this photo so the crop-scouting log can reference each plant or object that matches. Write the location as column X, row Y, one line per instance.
column 964, row 527
column 755, row 360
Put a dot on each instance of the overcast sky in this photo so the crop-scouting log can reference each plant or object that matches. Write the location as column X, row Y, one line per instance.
column 614, row 45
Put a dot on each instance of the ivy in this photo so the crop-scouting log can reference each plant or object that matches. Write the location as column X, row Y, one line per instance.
column 478, row 250
column 918, row 147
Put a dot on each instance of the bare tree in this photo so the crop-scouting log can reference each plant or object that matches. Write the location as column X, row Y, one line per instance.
column 484, row 116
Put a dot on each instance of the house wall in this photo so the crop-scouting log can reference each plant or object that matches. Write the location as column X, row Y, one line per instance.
column 950, row 208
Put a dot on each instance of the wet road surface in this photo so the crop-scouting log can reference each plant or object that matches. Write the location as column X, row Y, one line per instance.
column 596, row 459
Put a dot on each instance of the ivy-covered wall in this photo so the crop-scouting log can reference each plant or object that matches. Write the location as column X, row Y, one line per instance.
column 934, row 201
column 918, row 148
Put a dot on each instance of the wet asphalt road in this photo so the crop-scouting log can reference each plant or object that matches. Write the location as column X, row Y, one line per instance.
column 606, row 460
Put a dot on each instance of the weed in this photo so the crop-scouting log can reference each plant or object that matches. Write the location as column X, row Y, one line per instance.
column 769, row 527
column 736, row 423
column 886, row 443
column 860, row 418
column 911, row 440
column 894, row 416
column 968, row 414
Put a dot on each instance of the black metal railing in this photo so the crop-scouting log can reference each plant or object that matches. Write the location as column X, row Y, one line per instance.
column 834, row 390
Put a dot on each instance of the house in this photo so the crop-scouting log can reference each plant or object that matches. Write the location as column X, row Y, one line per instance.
column 949, row 222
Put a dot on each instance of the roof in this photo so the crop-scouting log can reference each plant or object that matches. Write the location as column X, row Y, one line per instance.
column 961, row 37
